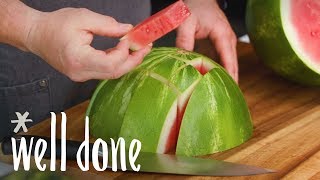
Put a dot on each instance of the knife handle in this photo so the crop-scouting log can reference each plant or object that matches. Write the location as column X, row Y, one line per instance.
column 71, row 147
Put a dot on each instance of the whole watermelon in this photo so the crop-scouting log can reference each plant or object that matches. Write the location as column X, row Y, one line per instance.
column 175, row 101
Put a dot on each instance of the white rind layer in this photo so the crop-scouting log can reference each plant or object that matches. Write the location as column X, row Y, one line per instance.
column 292, row 36
column 166, row 129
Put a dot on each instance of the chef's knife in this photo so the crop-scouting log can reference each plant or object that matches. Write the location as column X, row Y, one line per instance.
column 5, row 169
column 154, row 163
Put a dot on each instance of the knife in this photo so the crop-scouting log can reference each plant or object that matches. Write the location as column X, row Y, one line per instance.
column 152, row 162
column 5, row 169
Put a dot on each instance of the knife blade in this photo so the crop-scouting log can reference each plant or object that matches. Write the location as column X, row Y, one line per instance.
column 5, row 169
column 152, row 162
column 181, row 165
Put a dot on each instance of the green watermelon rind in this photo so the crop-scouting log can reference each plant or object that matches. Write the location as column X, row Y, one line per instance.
column 265, row 27
column 113, row 108
column 95, row 94
column 227, row 126
column 168, row 49
column 153, row 60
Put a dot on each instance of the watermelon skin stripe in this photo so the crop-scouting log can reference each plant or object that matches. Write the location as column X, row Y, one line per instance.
column 110, row 110
column 138, row 106
column 264, row 24
column 221, row 123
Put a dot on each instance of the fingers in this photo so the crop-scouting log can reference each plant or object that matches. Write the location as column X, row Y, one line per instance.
column 225, row 44
column 186, row 35
column 133, row 61
column 103, row 25
column 101, row 61
column 109, row 65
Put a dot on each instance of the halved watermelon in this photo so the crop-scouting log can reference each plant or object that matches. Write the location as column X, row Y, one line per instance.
column 168, row 105
column 286, row 35
column 157, row 25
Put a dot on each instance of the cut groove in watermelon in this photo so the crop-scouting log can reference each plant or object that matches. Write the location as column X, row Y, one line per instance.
column 203, row 66
column 301, row 22
column 164, row 81
column 170, row 131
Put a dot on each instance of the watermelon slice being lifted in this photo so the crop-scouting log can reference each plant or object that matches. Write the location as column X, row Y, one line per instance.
column 157, row 25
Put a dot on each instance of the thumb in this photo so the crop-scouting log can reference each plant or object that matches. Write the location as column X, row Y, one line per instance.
column 104, row 25
column 186, row 36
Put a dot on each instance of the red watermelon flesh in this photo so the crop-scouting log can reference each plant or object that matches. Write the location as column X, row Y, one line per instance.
column 202, row 66
column 306, row 22
column 157, row 25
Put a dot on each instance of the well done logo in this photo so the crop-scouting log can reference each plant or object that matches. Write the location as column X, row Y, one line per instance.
column 99, row 150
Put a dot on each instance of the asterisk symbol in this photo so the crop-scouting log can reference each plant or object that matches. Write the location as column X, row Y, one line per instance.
column 21, row 122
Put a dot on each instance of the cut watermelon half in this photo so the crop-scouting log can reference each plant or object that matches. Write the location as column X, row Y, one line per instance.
column 301, row 22
column 286, row 36
column 157, row 25
column 175, row 101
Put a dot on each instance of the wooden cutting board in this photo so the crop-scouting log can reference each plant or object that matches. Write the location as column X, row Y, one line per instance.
column 286, row 119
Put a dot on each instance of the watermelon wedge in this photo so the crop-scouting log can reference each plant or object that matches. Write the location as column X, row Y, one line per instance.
column 286, row 35
column 157, row 25
column 175, row 101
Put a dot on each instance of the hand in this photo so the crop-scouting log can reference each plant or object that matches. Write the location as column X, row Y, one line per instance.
column 62, row 38
column 208, row 21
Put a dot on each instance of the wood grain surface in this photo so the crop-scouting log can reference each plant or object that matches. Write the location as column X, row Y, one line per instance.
column 286, row 119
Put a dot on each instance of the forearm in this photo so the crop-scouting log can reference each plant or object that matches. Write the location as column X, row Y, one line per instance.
column 16, row 22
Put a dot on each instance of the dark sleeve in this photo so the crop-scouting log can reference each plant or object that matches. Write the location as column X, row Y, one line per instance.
column 235, row 11
column 158, row 5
